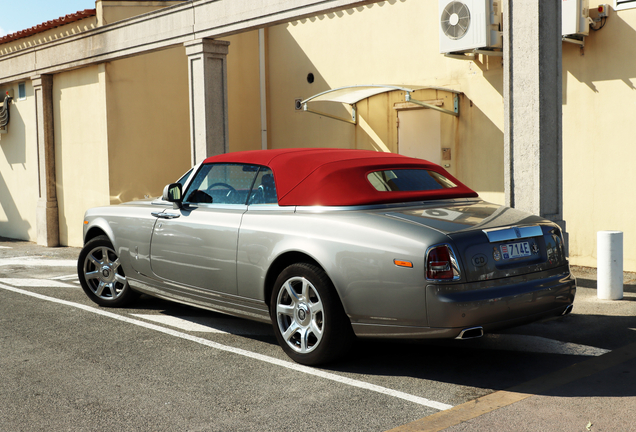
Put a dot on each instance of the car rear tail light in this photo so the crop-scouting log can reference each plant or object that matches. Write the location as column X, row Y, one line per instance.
column 441, row 264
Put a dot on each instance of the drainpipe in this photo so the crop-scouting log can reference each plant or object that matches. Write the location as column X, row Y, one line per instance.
column 263, row 86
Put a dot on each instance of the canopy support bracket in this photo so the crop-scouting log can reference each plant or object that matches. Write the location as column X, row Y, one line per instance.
column 455, row 112
column 353, row 119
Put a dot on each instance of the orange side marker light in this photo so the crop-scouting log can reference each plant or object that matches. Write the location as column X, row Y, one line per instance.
column 401, row 263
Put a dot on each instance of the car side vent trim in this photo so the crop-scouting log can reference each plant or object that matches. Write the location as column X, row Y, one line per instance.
column 513, row 233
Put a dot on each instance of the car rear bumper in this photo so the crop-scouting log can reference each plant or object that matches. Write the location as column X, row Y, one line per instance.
column 490, row 305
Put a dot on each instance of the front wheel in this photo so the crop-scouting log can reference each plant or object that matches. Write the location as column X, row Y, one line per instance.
column 101, row 276
column 309, row 320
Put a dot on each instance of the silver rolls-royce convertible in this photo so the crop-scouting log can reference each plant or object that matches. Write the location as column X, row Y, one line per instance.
column 330, row 244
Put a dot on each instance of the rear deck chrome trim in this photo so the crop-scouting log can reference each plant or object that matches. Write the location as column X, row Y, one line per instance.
column 512, row 233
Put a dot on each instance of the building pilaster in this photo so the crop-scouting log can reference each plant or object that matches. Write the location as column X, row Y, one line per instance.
column 207, row 69
column 533, row 107
column 47, row 215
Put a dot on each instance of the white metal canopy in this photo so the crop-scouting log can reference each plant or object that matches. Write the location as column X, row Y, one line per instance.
column 354, row 94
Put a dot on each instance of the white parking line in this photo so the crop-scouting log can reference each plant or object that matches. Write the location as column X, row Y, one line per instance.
column 271, row 360
column 35, row 283
column 66, row 277
column 37, row 261
column 179, row 323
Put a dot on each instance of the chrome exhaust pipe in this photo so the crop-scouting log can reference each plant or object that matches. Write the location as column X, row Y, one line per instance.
column 567, row 310
column 471, row 333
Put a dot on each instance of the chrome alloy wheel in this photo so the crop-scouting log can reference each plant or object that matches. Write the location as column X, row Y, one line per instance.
column 103, row 274
column 300, row 315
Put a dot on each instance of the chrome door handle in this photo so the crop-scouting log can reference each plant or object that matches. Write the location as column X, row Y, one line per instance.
column 162, row 215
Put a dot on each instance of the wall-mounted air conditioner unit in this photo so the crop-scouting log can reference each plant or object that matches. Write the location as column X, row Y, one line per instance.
column 466, row 25
column 574, row 17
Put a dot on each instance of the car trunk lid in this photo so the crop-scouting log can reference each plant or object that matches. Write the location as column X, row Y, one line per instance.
column 493, row 241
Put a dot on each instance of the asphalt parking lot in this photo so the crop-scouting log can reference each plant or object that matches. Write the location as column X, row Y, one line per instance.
column 68, row 364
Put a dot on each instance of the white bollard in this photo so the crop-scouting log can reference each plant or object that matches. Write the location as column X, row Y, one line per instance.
column 609, row 252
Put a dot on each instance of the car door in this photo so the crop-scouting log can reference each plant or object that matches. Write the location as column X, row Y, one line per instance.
column 196, row 244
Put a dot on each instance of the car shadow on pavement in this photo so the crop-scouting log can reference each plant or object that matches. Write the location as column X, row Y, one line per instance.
column 478, row 369
column 474, row 366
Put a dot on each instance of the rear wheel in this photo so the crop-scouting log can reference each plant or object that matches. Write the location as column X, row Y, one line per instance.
column 309, row 320
column 101, row 276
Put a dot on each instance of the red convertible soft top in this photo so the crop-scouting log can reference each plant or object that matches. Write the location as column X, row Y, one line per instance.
column 338, row 177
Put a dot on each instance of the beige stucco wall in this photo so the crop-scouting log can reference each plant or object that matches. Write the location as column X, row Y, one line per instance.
column 244, row 92
column 599, row 107
column 148, row 123
column 81, row 147
column 149, row 117
column 19, row 188
column 387, row 43
column 79, row 120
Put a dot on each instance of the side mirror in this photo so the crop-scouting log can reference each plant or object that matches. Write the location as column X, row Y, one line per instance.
column 172, row 193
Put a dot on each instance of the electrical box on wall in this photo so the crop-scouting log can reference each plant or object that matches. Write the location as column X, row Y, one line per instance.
column 468, row 25
column 574, row 17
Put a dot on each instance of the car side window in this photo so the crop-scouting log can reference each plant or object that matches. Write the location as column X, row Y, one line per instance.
column 264, row 190
column 221, row 184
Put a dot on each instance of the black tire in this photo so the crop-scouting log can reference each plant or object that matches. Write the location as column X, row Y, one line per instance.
column 309, row 321
column 101, row 276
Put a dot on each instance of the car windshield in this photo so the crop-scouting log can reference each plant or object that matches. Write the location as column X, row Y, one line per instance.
column 408, row 180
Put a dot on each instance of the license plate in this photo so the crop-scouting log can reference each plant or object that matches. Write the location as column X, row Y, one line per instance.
column 515, row 250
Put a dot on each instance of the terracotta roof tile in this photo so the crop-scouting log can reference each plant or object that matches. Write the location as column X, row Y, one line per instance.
column 48, row 25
